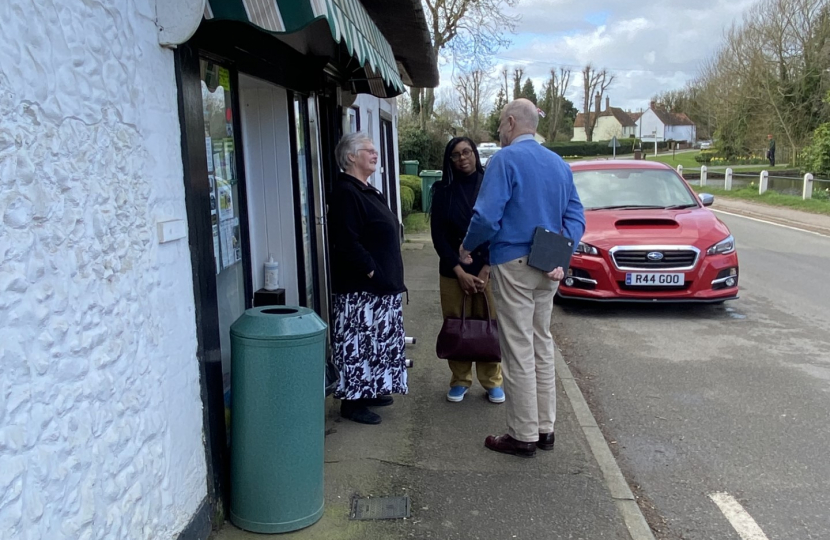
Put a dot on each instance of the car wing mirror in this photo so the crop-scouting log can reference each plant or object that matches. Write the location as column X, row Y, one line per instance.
column 707, row 199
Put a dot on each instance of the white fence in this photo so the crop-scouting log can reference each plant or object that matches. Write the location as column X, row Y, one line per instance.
column 783, row 184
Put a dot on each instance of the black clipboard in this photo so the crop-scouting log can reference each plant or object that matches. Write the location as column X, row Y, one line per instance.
column 550, row 250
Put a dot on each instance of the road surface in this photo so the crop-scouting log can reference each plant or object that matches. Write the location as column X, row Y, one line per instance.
column 719, row 414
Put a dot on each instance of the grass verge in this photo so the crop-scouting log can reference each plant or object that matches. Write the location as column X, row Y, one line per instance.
column 814, row 206
column 687, row 159
column 416, row 222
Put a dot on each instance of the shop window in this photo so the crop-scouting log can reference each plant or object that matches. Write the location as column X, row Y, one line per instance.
column 225, row 204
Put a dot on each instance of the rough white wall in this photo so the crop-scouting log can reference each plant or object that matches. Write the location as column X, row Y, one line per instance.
column 100, row 414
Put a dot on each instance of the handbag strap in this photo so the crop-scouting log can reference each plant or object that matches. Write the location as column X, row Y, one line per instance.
column 486, row 304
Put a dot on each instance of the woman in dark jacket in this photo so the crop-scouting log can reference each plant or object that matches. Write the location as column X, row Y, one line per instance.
column 367, row 281
column 453, row 199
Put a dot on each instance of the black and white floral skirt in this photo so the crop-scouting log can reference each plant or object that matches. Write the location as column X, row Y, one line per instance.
column 368, row 345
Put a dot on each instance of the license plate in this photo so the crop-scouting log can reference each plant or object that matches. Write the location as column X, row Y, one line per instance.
column 651, row 279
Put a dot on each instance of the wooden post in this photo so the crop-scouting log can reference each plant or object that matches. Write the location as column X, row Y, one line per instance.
column 807, row 192
column 727, row 183
column 704, row 170
column 763, row 183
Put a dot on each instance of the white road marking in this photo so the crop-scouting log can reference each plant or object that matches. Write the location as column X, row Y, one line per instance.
column 770, row 223
column 738, row 517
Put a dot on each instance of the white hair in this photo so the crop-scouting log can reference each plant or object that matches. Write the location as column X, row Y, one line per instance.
column 348, row 146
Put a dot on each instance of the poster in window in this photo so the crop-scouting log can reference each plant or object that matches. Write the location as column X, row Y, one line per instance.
column 223, row 159
column 230, row 246
column 224, row 200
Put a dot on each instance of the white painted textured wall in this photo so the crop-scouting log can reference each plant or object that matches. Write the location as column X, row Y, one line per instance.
column 649, row 123
column 100, row 414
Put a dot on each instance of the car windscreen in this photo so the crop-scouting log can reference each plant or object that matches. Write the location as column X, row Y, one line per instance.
column 620, row 188
column 487, row 152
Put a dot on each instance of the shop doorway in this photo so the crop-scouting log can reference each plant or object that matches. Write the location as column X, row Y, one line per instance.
column 387, row 159
column 266, row 133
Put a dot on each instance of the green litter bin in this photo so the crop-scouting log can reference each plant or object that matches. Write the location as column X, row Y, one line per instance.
column 427, row 179
column 278, row 361
column 411, row 167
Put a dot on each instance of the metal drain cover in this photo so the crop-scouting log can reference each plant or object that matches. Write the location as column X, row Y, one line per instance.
column 380, row 508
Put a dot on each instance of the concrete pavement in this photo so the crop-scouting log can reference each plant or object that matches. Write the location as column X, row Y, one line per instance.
column 433, row 451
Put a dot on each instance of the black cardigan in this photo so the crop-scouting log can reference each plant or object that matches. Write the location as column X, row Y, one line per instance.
column 452, row 211
column 364, row 236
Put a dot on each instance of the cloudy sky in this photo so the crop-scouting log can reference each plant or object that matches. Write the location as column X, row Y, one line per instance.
column 650, row 47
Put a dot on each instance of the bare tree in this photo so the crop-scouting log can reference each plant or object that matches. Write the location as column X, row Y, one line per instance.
column 595, row 83
column 518, row 75
column 769, row 76
column 557, row 86
column 473, row 90
column 474, row 30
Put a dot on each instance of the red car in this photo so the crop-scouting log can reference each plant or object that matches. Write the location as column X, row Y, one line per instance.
column 649, row 238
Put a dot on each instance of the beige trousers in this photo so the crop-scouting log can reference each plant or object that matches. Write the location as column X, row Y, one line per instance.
column 524, row 297
column 489, row 373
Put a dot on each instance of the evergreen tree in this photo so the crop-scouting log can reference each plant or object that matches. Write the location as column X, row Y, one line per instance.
column 528, row 91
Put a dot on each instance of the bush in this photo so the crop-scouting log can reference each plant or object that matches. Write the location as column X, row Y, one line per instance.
column 407, row 198
column 705, row 156
column 413, row 183
column 425, row 146
column 816, row 157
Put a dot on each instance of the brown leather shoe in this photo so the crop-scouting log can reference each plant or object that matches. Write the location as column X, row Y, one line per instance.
column 508, row 445
column 545, row 441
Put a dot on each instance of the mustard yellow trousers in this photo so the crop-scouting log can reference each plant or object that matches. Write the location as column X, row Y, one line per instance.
column 489, row 373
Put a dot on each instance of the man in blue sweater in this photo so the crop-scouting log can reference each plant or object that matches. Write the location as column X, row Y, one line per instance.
column 525, row 186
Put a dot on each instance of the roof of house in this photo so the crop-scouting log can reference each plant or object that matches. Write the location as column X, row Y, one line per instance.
column 635, row 115
column 622, row 117
column 672, row 119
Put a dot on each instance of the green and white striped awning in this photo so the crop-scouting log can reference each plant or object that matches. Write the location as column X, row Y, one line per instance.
column 347, row 19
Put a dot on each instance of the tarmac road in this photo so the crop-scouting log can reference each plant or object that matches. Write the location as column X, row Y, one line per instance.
column 720, row 403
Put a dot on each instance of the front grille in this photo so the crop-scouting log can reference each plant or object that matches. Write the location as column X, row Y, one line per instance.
column 639, row 259
column 625, row 287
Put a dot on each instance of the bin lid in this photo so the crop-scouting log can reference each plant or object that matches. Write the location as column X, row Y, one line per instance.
column 430, row 173
column 411, row 161
column 278, row 323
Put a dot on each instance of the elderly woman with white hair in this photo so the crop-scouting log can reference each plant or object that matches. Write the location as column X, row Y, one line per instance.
column 367, row 281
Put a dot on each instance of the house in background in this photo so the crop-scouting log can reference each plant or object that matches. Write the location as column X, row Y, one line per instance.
column 667, row 126
column 612, row 122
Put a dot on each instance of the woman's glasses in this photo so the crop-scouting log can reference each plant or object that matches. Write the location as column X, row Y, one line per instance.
column 455, row 156
column 372, row 151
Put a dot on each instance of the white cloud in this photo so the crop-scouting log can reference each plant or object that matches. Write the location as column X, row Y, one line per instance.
column 649, row 48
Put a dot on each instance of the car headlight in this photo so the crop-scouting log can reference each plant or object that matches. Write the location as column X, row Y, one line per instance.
column 586, row 249
column 727, row 245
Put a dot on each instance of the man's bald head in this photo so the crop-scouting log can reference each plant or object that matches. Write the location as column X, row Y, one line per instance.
column 525, row 113
column 519, row 117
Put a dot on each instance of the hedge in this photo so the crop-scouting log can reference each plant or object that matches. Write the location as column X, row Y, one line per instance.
column 407, row 198
column 599, row 148
column 413, row 183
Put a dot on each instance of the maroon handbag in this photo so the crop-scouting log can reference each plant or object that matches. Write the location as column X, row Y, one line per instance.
column 469, row 340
